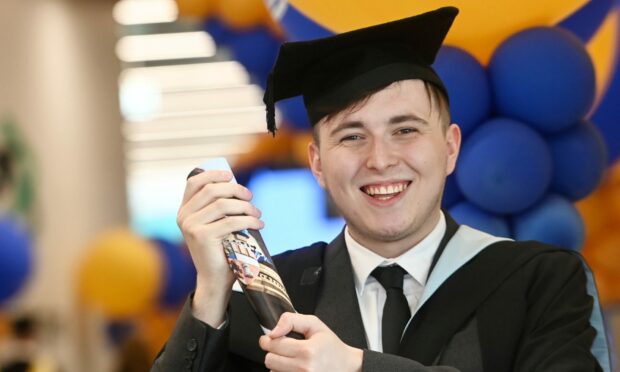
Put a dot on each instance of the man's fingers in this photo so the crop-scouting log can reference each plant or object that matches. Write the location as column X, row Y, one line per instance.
column 217, row 190
column 300, row 323
column 217, row 210
column 220, row 229
column 238, row 223
column 198, row 180
column 196, row 183
column 210, row 219
column 284, row 346
column 315, row 353
column 280, row 363
column 214, row 193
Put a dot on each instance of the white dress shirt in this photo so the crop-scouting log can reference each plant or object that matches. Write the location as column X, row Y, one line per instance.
column 371, row 295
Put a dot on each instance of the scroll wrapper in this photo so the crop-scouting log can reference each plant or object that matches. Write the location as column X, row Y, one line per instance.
column 253, row 267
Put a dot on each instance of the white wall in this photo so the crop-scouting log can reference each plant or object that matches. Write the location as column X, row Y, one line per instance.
column 58, row 79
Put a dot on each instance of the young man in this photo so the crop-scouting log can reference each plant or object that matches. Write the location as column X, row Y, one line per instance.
column 403, row 287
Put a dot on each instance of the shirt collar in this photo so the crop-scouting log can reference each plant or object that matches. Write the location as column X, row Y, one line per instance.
column 416, row 261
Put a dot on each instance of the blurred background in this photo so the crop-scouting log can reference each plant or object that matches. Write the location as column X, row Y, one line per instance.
column 105, row 106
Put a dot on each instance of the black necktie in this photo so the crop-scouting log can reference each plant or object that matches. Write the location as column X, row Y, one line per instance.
column 396, row 312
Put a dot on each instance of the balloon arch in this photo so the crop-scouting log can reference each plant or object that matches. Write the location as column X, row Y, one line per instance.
column 536, row 93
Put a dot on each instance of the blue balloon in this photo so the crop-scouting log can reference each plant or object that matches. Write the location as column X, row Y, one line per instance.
column 256, row 50
column 220, row 33
column 299, row 27
column 579, row 160
column 554, row 221
column 295, row 113
column 466, row 213
column 15, row 256
column 504, row 167
column 543, row 76
column 586, row 21
column 179, row 274
column 451, row 193
column 468, row 87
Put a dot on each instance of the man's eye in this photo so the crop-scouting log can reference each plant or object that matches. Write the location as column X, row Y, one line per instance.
column 352, row 137
column 406, row 130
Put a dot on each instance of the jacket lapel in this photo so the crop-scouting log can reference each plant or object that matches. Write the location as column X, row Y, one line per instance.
column 338, row 306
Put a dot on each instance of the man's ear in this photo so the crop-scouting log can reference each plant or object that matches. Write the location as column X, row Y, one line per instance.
column 314, row 159
column 453, row 143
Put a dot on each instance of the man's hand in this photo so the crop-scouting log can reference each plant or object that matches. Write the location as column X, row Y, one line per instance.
column 211, row 209
column 321, row 350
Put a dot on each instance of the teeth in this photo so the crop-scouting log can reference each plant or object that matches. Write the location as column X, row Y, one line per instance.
column 385, row 190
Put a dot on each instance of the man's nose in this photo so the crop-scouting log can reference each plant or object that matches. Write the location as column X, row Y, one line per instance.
column 381, row 155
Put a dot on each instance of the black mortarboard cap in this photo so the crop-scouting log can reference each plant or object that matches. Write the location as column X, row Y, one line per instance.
column 336, row 68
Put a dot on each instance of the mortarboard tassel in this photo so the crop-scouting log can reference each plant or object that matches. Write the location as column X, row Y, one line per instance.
column 270, row 106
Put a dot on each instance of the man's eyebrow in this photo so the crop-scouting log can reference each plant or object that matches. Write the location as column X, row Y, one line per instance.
column 346, row 125
column 393, row 120
column 408, row 117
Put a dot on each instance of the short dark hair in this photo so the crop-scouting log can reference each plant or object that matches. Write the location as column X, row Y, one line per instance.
column 435, row 95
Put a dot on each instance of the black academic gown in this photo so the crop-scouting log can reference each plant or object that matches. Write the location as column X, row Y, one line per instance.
column 491, row 305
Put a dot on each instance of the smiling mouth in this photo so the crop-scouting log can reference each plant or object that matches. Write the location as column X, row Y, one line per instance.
column 385, row 191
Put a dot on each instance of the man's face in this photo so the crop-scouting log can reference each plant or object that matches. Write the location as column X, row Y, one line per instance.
column 384, row 164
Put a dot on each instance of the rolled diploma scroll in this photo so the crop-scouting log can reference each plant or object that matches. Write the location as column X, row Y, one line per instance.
column 253, row 267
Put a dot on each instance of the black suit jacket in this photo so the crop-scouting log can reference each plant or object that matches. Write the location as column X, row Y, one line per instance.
column 510, row 307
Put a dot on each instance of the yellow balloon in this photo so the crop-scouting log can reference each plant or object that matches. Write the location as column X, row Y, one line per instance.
column 608, row 290
column 265, row 151
column 480, row 27
column 194, row 8
column 5, row 329
column 603, row 255
column 156, row 326
column 590, row 209
column 613, row 182
column 300, row 148
column 120, row 274
column 603, row 48
column 242, row 14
